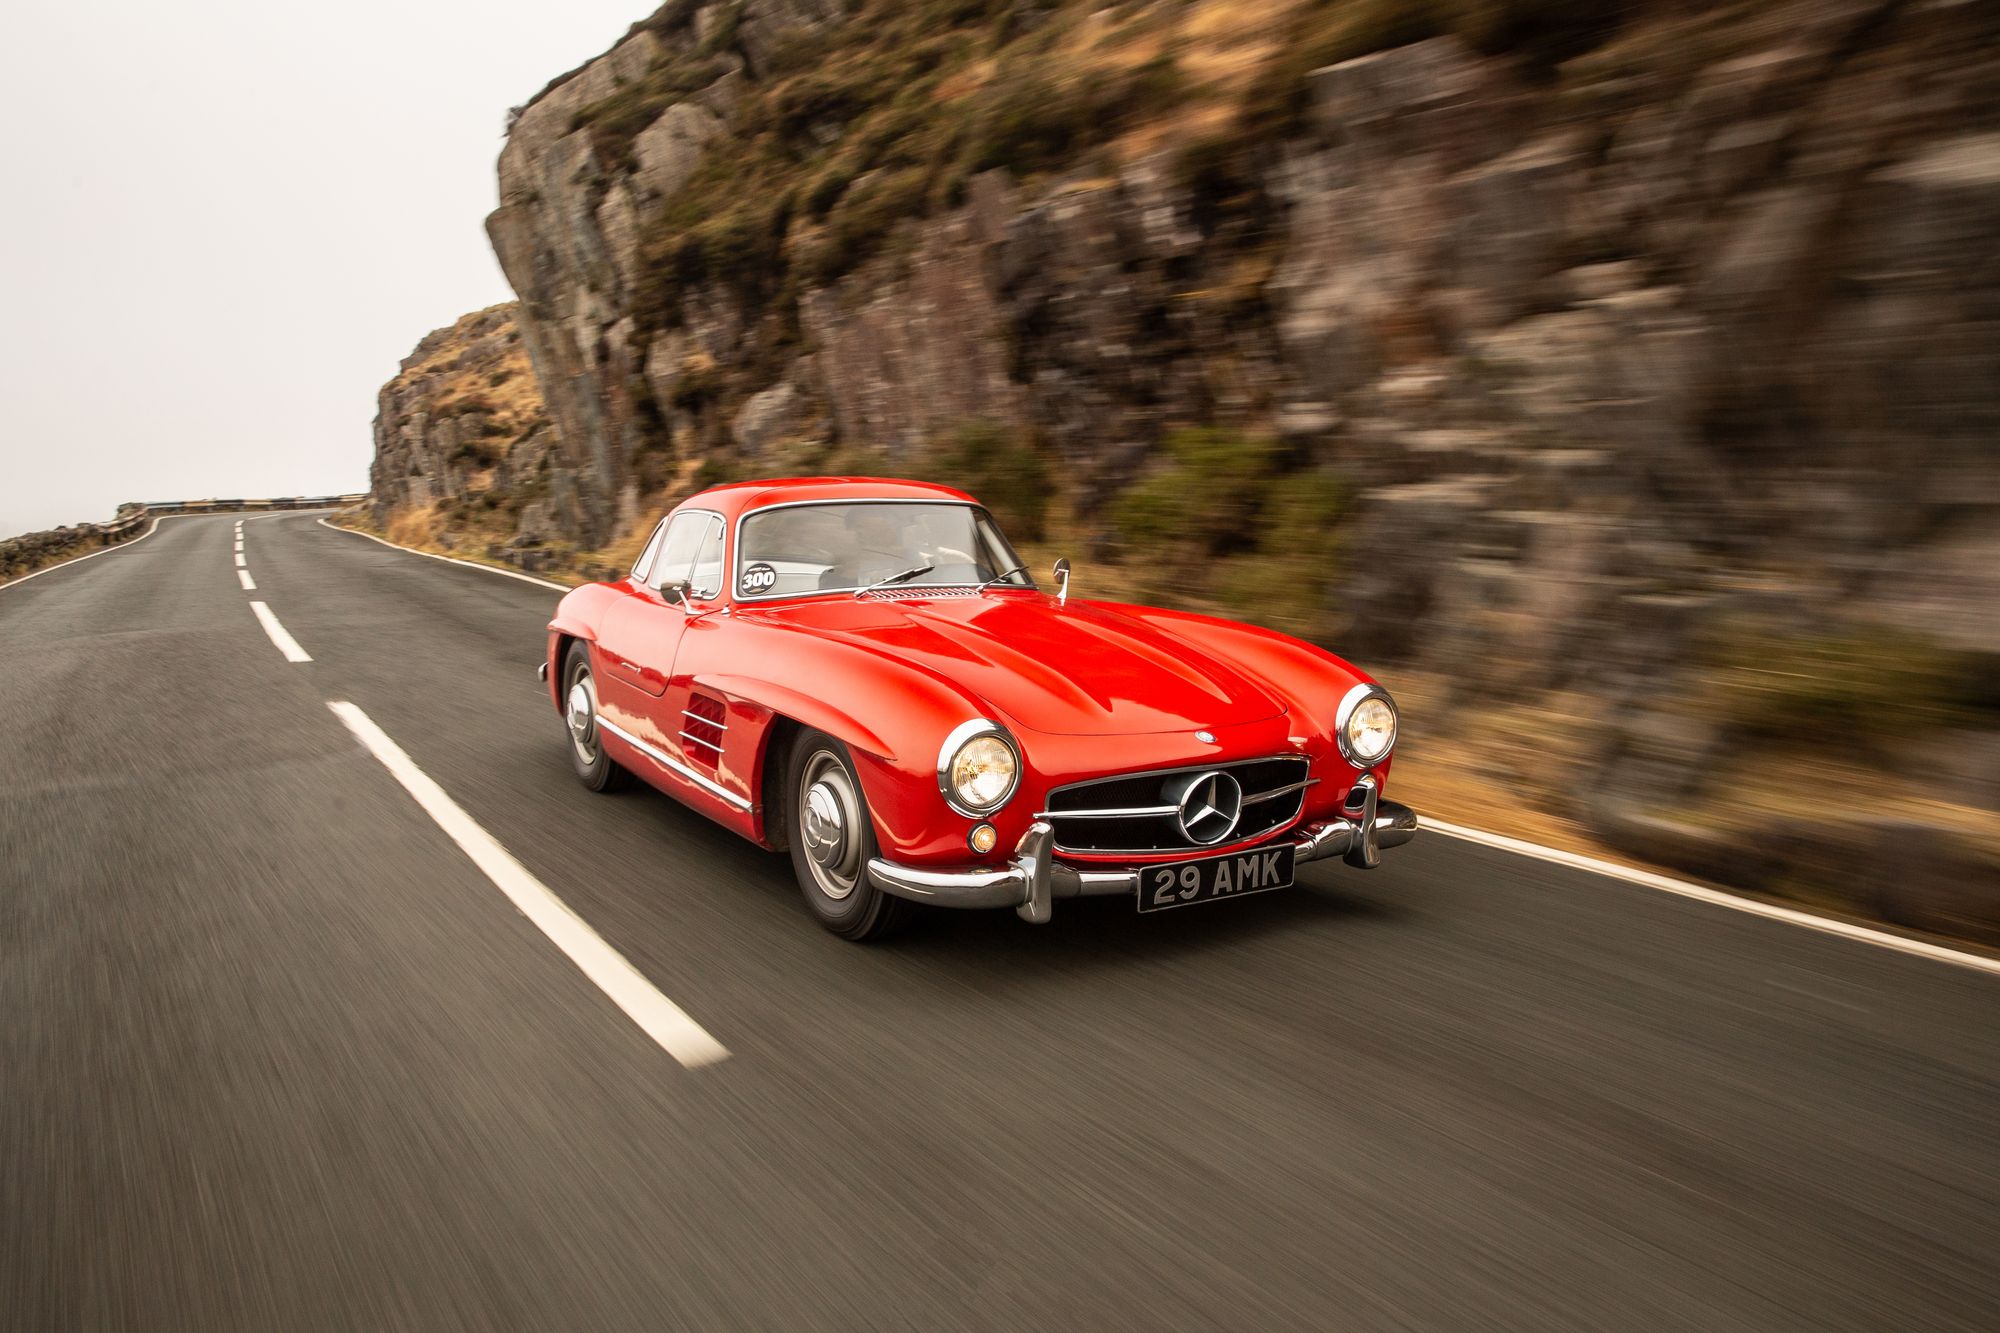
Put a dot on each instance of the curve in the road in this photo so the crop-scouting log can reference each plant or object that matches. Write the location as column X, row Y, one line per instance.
column 279, row 1056
column 1919, row 948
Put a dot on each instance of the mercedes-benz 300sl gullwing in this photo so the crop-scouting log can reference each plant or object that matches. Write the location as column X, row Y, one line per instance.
column 861, row 673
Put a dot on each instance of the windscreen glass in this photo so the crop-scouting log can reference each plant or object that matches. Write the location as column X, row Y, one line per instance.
column 788, row 550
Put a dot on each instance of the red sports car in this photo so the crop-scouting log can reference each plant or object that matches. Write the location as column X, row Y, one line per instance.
column 861, row 672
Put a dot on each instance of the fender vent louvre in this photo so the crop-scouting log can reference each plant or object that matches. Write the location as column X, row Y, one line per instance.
column 704, row 728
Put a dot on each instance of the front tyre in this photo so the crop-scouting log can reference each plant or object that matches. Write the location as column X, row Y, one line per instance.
column 832, row 840
column 594, row 768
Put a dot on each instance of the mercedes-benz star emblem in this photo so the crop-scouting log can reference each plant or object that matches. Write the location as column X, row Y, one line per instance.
column 1210, row 807
column 1205, row 737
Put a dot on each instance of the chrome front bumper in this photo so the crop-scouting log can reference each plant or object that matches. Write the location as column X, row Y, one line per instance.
column 1034, row 879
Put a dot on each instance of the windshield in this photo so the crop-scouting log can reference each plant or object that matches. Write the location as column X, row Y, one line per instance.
column 845, row 546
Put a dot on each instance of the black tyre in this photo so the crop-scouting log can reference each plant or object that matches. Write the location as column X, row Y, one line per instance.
column 594, row 768
column 832, row 840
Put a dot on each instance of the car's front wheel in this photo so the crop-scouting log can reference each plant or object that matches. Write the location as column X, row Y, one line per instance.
column 832, row 840
column 594, row 768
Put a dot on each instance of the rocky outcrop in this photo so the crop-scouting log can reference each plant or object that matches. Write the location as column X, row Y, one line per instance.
column 31, row 551
column 1688, row 333
column 463, row 422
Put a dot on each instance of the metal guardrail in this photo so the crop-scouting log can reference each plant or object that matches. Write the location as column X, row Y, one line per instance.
column 30, row 553
column 155, row 507
column 132, row 517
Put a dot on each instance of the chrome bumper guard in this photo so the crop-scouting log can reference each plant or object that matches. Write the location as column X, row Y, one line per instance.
column 1034, row 879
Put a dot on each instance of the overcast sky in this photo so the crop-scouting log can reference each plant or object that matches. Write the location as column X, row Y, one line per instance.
column 223, row 222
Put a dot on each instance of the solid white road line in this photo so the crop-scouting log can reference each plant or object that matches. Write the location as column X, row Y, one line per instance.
column 243, row 577
column 451, row 560
column 1668, row 884
column 660, row 1018
column 287, row 645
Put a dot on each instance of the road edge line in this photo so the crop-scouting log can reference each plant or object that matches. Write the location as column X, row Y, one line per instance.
column 449, row 560
column 1717, row 897
column 79, row 559
column 658, row 1017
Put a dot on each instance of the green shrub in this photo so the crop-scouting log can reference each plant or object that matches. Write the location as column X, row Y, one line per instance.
column 998, row 465
column 1206, row 500
column 864, row 220
column 1862, row 681
column 1224, row 518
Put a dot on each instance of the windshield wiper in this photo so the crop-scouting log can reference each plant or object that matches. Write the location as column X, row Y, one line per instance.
column 894, row 579
column 1002, row 578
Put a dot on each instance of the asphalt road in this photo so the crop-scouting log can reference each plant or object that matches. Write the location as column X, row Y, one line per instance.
column 277, row 1054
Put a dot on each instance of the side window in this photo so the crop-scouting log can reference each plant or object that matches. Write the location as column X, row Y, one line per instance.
column 706, row 579
column 691, row 553
column 644, row 564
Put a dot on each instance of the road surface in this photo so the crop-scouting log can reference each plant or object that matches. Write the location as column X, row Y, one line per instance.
column 279, row 1053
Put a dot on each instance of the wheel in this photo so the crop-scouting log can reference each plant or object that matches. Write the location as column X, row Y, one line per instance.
column 594, row 768
column 832, row 840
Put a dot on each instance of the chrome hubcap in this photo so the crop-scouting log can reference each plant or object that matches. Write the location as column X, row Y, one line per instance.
column 582, row 716
column 829, row 816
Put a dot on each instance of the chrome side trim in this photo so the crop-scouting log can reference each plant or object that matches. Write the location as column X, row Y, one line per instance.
column 960, row 734
column 675, row 766
column 693, row 716
column 1353, row 700
column 689, row 736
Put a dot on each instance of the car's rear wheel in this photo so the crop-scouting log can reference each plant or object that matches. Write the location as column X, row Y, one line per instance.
column 594, row 768
column 832, row 840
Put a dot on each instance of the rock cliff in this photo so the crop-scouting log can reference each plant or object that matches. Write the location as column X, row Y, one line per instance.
column 463, row 446
column 1647, row 354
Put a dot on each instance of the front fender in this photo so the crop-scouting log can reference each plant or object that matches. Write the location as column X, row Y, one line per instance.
column 1309, row 678
column 576, row 617
column 893, row 716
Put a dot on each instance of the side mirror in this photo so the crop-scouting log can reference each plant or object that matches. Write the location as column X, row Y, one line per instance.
column 1062, row 573
column 676, row 594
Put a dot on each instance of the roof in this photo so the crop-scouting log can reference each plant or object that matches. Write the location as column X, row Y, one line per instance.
column 737, row 497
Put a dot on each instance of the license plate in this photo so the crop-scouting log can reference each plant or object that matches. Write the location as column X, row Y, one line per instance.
column 1187, row 882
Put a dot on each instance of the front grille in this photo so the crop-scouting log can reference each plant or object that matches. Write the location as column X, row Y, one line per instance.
column 1135, row 813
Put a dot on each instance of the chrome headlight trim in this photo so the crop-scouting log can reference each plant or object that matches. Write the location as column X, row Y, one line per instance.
column 956, row 741
column 1344, row 714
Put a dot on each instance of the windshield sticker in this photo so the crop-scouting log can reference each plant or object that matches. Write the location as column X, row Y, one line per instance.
column 758, row 578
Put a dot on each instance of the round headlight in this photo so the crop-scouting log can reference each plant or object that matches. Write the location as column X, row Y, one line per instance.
column 1367, row 725
column 979, row 770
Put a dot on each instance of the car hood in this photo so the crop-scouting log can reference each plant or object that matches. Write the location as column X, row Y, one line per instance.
column 1079, row 670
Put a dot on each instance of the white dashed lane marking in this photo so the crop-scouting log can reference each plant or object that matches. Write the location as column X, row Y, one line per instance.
column 661, row 1019
column 287, row 645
